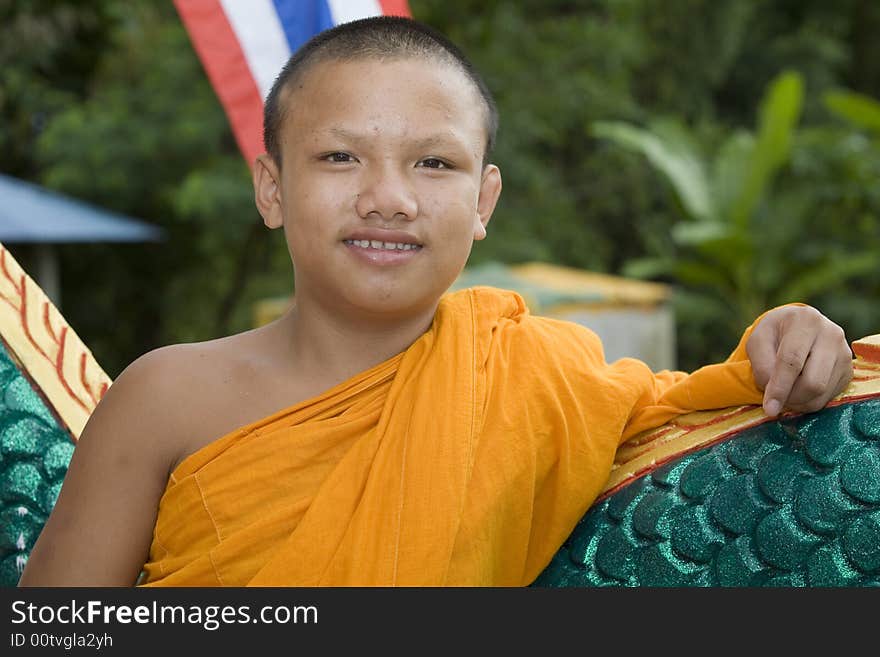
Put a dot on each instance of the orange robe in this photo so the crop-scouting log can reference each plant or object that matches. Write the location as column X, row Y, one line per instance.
column 465, row 460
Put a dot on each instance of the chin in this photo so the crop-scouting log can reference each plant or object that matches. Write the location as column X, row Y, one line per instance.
column 392, row 303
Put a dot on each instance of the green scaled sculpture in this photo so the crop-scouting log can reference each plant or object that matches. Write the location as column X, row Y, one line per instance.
column 731, row 498
column 49, row 384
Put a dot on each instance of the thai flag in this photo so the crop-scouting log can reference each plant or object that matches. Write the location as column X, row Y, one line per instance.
column 243, row 44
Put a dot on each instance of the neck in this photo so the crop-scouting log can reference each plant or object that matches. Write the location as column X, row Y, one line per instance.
column 328, row 350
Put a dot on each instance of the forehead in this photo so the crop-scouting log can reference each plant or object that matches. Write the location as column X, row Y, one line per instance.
column 372, row 93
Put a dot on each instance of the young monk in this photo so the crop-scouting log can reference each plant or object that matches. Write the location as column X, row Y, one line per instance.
column 383, row 431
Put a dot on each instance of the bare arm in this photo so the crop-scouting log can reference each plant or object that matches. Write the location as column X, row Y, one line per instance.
column 100, row 529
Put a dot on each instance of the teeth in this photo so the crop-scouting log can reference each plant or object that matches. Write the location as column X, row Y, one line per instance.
column 385, row 246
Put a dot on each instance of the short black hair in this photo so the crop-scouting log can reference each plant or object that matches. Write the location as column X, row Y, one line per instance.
column 376, row 37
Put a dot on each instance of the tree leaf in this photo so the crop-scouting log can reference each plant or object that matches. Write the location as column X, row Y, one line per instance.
column 857, row 108
column 674, row 157
column 691, row 234
column 730, row 170
column 827, row 276
column 778, row 116
column 647, row 267
column 701, row 274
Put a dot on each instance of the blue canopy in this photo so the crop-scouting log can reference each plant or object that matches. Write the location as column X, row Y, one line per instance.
column 30, row 213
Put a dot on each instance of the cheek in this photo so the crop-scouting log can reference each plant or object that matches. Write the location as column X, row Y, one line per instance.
column 315, row 192
column 301, row 202
column 312, row 210
column 453, row 207
column 458, row 222
column 301, row 229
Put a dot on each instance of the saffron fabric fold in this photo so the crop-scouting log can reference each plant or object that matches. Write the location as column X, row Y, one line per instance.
column 466, row 460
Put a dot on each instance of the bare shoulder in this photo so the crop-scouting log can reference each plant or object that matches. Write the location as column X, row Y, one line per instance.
column 190, row 394
column 144, row 408
column 205, row 390
column 155, row 411
column 100, row 529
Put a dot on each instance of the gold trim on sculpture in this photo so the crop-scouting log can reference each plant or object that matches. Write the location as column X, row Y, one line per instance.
column 47, row 348
column 687, row 433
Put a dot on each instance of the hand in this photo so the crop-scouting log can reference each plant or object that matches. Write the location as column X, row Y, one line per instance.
column 800, row 359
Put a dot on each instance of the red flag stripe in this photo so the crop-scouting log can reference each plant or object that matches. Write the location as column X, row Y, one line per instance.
column 395, row 8
column 217, row 46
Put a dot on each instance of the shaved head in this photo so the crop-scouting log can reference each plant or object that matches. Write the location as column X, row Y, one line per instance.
column 380, row 38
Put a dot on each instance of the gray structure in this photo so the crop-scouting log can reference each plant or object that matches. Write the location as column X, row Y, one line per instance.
column 40, row 219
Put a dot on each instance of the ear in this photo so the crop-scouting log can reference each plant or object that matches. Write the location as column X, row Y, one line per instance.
column 490, row 190
column 267, row 190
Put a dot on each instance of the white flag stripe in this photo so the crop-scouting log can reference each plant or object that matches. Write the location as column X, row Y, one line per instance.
column 262, row 39
column 344, row 11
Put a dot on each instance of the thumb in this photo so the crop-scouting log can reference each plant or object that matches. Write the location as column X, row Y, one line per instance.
column 772, row 403
column 761, row 349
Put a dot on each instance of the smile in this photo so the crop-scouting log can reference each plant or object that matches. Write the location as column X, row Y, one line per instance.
column 383, row 246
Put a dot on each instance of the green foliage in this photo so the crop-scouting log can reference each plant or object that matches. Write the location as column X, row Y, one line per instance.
column 745, row 238
column 671, row 150
column 47, row 57
column 554, row 67
column 718, row 241
column 148, row 138
column 861, row 110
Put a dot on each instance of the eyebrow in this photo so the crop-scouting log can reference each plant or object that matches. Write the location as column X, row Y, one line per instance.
column 438, row 139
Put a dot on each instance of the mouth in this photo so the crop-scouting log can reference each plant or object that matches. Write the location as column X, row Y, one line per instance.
column 379, row 245
column 383, row 253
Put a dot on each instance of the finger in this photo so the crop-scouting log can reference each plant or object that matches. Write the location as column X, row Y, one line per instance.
column 828, row 370
column 761, row 349
column 847, row 371
column 791, row 356
column 844, row 373
column 817, row 382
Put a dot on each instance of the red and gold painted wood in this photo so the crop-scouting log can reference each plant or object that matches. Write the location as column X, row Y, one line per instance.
column 47, row 349
column 687, row 433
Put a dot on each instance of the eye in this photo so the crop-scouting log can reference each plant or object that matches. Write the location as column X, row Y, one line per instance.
column 434, row 163
column 338, row 156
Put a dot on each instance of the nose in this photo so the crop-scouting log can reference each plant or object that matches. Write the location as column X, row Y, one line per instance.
column 385, row 192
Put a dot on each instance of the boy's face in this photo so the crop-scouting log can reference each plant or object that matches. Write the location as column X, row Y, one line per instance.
column 379, row 153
